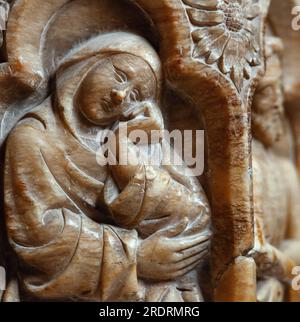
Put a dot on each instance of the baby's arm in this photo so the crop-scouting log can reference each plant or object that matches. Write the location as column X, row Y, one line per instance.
column 174, row 194
column 147, row 119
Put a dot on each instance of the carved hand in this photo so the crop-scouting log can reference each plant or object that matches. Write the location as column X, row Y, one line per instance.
column 270, row 260
column 147, row 119
column 166, row 255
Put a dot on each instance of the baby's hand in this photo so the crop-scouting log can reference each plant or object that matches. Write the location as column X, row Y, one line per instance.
column 147, row 118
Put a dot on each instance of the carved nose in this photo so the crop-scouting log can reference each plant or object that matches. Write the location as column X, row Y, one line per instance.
column 118, row 96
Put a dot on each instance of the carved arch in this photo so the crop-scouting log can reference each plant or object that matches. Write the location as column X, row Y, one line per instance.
column 227, row 126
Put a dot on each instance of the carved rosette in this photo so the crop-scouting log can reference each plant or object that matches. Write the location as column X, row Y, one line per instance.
column 225, row 35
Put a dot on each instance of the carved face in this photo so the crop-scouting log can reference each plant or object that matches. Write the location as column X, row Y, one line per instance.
column 267, row 109
column 115, row 88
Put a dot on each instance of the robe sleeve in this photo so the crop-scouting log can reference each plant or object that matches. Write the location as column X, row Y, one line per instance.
column 155, row 199
column 139, row 199
column 62, row 253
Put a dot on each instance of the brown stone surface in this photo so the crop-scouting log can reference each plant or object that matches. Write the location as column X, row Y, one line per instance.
column 75, row 230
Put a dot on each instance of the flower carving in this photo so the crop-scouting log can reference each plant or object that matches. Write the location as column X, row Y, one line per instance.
column 225, row 34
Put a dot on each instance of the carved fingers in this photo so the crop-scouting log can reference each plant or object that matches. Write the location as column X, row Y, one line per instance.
column 166, row 255
column 146, row 117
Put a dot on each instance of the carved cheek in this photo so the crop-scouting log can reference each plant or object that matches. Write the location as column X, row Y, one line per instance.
column 147, row 87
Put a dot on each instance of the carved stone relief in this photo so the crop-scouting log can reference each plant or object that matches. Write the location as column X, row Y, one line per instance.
column 73, row 229
column 227, row 36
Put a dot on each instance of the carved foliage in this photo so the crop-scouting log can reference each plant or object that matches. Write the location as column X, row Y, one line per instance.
column 224, row 33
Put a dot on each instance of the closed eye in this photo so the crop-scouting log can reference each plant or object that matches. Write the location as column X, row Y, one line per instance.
column 120, row 76
column 135, row 95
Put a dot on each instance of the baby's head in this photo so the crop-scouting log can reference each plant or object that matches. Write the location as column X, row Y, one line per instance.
column 117, row 86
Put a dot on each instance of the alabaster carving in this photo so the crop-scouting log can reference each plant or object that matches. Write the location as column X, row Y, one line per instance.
column 276, row 218
column 227, row 37
column 155, row 227
column 74, row 229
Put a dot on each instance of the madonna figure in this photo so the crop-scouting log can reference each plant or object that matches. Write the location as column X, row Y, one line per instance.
column 85, row 232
